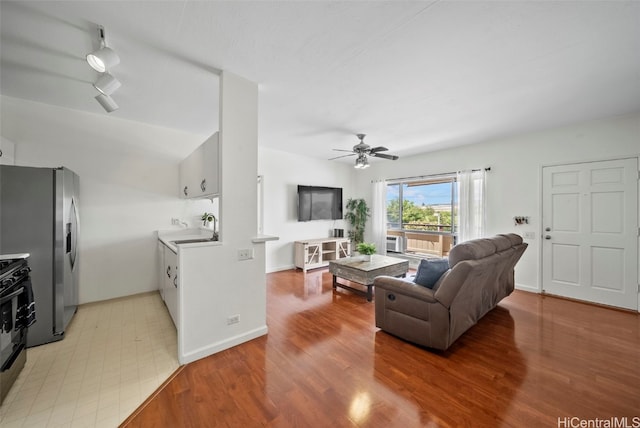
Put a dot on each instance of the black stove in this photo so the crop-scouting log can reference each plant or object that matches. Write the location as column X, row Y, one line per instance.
column 17, row 312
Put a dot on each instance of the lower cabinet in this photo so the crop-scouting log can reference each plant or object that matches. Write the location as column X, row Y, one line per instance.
column 161, row 273
column 315, row 253
column 169, row 284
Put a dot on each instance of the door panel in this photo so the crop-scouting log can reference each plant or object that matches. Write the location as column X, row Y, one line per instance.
column 567, row 272
column 566, row 213
column 607, row 268
column 590, row 218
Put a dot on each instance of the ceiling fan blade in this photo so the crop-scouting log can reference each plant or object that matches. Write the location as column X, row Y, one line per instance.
column 383, row 156
column 378, row 149
column 343, row 156
column 340, row 150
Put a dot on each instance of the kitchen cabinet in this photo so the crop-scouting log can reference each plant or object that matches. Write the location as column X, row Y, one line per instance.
column 161, row 272
column 169, row 280
column 174, row 247
column 200, row 171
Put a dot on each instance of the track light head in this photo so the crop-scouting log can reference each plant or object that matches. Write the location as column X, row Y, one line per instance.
column 104, row 58
column 107, row 102
column 107, row 84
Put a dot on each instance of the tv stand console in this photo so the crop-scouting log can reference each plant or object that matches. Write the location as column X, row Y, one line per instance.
column 316, row 253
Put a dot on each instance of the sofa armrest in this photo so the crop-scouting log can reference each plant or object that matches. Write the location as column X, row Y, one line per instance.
column 406, row 287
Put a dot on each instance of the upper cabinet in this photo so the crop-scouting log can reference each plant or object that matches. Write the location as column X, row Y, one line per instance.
column 200, row 171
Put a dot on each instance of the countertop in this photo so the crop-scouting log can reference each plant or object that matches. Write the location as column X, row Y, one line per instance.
column 264, row 238
column 14, row 256
column 167, row 237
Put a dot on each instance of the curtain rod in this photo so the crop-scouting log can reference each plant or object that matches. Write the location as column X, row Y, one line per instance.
column 421, row 177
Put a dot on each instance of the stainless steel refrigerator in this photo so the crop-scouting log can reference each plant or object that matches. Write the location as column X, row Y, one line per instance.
column 39, row 216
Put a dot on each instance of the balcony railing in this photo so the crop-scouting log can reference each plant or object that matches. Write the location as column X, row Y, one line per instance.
column 427, row 227
column 423, row 242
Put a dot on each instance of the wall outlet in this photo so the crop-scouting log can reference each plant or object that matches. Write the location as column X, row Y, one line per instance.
column 233, row 319
column 245, row 254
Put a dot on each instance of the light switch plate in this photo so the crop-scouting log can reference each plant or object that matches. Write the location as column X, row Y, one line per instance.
column 529, row 235
column 245, row 254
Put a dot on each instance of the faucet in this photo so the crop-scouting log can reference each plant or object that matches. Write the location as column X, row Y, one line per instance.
column 207, row 218
column 215, row 233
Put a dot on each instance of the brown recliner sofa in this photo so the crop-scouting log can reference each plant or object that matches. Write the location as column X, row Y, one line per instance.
column 481, row 273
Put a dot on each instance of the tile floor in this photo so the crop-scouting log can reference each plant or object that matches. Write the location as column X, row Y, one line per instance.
column 115, row 354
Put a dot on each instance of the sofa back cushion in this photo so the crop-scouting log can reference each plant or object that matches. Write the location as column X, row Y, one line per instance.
column 471, row 250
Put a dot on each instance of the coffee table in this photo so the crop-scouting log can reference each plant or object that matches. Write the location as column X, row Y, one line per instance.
column 362, row 272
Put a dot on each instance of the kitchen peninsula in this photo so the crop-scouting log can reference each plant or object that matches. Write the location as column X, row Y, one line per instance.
column 220, row 286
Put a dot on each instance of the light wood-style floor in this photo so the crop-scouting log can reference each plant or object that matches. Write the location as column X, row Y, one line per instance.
column 115, row 353
column 534, row 361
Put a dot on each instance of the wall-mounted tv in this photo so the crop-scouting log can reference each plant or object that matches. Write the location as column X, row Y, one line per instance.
column 319, row 203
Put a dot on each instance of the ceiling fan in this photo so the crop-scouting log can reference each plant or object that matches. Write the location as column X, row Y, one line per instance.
column 363, row 150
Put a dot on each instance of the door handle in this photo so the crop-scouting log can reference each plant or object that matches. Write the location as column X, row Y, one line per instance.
column 547, row 237
column 203, row 185
column 185, row 190
column 12, row 295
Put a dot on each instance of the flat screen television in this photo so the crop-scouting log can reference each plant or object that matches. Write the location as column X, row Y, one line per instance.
column 319, row 203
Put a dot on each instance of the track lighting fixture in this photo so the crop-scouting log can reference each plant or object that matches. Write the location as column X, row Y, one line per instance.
column 104, row 58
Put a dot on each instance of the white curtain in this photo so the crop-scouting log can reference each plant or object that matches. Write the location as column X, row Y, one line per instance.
column 379, row 216
column 471, row 200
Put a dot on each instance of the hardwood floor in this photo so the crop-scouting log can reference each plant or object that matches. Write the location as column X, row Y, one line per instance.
column 529, row 362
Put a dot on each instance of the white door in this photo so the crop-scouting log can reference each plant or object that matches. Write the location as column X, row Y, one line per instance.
column 590, row 231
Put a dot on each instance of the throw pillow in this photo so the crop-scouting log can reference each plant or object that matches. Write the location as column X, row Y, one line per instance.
column 429, row 271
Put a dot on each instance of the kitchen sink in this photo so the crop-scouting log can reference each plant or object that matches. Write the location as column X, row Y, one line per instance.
column 193, row 241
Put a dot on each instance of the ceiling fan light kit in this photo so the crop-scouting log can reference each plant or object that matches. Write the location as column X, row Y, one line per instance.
column 363, row 150
column 102, row 60
column 362, row 162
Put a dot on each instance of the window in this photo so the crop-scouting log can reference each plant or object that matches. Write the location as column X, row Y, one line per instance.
column 422, row 205
column 421, row 216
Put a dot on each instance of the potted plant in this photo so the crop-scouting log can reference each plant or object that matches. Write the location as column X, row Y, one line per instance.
column 357, row 213
column 367, row 249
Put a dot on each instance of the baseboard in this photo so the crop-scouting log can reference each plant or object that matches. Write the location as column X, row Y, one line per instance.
column 527, row 288
column 280, row 268
column 222, row 345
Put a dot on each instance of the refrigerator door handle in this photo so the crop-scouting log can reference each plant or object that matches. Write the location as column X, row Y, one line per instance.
column 74, row 233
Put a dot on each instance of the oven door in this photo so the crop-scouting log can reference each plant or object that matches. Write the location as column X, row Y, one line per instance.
column 13, row 341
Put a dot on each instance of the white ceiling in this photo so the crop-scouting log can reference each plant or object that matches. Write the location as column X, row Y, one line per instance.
column 414, row 76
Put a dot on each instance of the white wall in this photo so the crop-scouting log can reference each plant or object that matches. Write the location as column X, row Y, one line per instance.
column 128, row 187
column 282, row 173
column 7, row 150
column 514, row 182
